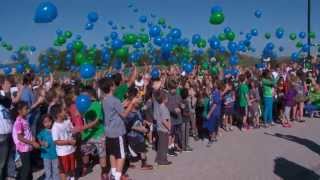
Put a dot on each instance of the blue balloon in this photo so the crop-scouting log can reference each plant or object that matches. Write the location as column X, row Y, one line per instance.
column 155, row 73
column 0, row 38
column 258, row 13
column 19, row 68
column 227, row 29
column 136, row 10
column 234, row 60
column 106, row 58
column 175, row 33
column 114, row 27
column 7, row 70
column 158, row 41
column 137, row 45
column 69, row 57
column 196, row 38
column 89, row 26
column 248, row 36
column 117, row 64
column 110, row 23
column 154, row 31
column 188, row 67
column 254, row 32
column 143, row 19
column 83, row 102
column 114, row 35
column 216, row 9
column 69, row 47
column 279, row 33
column 232, row 46
column 87, row 71
column 32, row 49
column 116, row 44
column 214, row 43
column 305, row 48
column 295, row 56
column 93, row 17
column 59, row 32
column 281, row 48
column 222, row 49
column 270, row 46
column 166, row 47
column 15, row 56
column 46, row 12
column 78, row 37
column 302, row 35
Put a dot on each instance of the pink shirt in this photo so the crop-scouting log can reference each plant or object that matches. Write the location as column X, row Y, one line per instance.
column 75, row 116
column 21, row 126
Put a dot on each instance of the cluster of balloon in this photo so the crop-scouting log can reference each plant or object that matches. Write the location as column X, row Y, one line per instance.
column 92, row 18
column 62, row 37
column 46, row 12
column 83, row 102
column 217, row 16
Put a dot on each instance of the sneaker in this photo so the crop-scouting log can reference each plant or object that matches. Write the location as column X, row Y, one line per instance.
column 188, row 149
column 172, row 153
column 210, row 143
column 273, row 124
column 147, row 167
column 165, row 163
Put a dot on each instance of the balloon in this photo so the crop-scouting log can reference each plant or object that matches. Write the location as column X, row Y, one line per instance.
column 302, row 35
column 299, row 44
column 254, row 32
column 80, row 58
column 78, row 37
column 227, row 29
column 69, row 57
column 205, row 65
column 234, row 60
column 144, row 38
column 292, row 36
column 232, row 46
column 158, row 41
column 143, row 19
column 78, row 45
column 258, row 14
column 137, row 45
column 215, row 44
column 155, row 73
column 195, row 38
column 83, row 102
column 32, row 49
column 114, row 35
column 130, row 38
column 294, row 56
column 202, row 43
column 161, row 21
column 7, row 70
column 222, row 36
column 216, row 18
column 61, row 40
column 46, row 12
column 68, row 34
column 89, row 26
column 281, row 48
column 248, row 36
column 19, row 68
column 87, row 71
column 175, row 33
column 215, row 9
column 267, row 35
column 214, row 70
column 166, row 47
column 230, row 36
column 122, row 53
column 116, row 44
column 279, row 33
column 305, row 48
column 93, row 17
column 188, row 67
column 110, row 22
column 154, row 31
column 312, row 35
column 106, row 58
column 69, row 47
column 270, row 46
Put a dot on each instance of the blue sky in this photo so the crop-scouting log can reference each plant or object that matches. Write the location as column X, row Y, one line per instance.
column 17, row 26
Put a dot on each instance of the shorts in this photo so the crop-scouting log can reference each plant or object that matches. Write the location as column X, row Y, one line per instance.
column 116, row 147
column 67, row 163
column 136, row 145
column 243, row 111
column 94, row 145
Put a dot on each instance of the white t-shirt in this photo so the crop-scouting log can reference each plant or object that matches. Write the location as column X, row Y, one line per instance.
column 62, row 131
column 5, row 121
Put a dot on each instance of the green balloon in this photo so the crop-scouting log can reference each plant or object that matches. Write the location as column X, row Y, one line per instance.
column 92, row 53
column 230, row 36
column 169, row 27
column 4, row 44
column 144, row 38
column 68, row 34
column 202, row 43
column 56, row 43
column 205, row 66
column 216, row 18
column 80, row 58
column 201, row 73
column 223, row 65
column 293, row 36
column 312, row 35
column 130, row 38
column 267, row 35
column 9, row 47
column 222, row 36
column 214, row 70
column 122, row 53
column 308, row 65
column 299, row 44
column 142, row 29
column 61, row 40
column 161, row 21
column 78, row 45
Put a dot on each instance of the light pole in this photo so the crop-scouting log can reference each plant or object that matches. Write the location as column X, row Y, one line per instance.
column 309, row 29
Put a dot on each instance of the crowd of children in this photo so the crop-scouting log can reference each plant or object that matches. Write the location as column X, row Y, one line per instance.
column 129, row 114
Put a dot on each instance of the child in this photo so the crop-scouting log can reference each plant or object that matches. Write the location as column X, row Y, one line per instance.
column 243, row 94
column 289, row 103
column 23, row 140
column 186, row 119
column 65, row 143
column 48, row 150
column 228, row 100
column 254, row 107
column 162, row 116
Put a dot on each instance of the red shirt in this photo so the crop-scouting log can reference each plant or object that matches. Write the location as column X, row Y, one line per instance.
column 76, row 117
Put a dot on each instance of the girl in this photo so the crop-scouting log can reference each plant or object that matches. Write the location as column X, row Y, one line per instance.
column 23, row 140
column 254, row 107
column 228, row 102
column 48, row 150
column 289, row 103
column 267, row 84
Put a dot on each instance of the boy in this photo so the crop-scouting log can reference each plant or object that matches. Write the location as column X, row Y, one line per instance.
column 115, row 129
column 65, row 144
column 243, row 101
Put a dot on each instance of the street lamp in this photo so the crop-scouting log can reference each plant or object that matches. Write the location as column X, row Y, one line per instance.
column 309, row 29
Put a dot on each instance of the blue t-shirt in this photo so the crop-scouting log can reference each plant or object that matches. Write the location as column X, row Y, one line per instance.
column 216, row 99
column 48, row 152
column 27, row 96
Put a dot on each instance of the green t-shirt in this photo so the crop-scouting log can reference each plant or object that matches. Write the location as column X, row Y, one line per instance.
column 94, row 112
column 121, row 91
column 267, row 87
column 206, row 106
column 243, row 92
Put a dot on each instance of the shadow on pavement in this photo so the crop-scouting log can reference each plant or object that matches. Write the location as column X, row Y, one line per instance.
column 311, row 145
column 288, row 170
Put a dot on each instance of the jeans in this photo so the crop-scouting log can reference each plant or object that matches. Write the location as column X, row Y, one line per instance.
column 51, row 169
column 267, row 113
column 185, row 134
column 287, row 112
column 25, row 170
column 163, row 141
column 4, row 153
